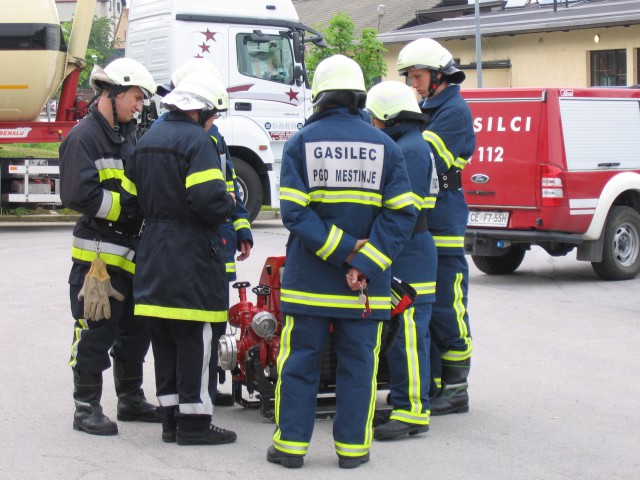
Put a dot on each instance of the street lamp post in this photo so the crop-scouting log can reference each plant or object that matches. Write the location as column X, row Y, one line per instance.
column 478, row 44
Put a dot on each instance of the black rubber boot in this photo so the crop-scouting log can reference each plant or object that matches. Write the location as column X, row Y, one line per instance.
column 352, row 462
column 132, row 404
column 88, row 416
column 287, row 460
column 396, row 429
column 169, row 423
column 223, row 399
column 198, row 430
column 453, row 396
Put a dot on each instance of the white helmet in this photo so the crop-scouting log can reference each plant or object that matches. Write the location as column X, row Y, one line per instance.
column 123, row 72
column 192, row 65
column 429, row 54
column 386, row 100
column 198, row 91
column 337, row 73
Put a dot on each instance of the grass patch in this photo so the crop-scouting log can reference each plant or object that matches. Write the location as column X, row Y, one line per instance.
column 25, row 211
column 23, row 150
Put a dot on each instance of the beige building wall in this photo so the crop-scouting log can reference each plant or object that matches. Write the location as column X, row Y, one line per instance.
column 554, row 59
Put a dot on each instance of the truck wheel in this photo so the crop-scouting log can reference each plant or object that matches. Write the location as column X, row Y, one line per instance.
column 620, row 254
column 501, row 265
column 250, row 187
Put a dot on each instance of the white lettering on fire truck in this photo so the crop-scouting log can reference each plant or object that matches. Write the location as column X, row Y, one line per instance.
column 501, row 124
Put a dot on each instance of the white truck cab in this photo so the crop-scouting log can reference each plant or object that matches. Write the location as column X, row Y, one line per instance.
column 258, row 46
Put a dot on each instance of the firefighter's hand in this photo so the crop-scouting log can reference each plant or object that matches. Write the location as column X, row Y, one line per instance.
column 359, row 244
column 245, row 250
column 233, row 197
column 356, row 279
column 96, row 291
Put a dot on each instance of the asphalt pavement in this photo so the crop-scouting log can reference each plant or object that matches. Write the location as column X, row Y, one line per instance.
column 554, row 385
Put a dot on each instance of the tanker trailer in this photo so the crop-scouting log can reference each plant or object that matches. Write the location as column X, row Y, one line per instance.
column 35, row 61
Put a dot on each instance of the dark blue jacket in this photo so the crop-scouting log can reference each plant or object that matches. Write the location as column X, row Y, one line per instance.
column 342, row 180
column 453, row 141
column 418, row 261
column 175, row 178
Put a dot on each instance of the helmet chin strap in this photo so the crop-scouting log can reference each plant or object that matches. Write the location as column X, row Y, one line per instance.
column 435, row 82
column 112, row 95
column 204, row 116
column 116, row 125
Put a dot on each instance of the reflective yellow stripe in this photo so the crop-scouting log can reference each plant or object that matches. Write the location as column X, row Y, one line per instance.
column 332, row 242
column 448, row 242
column 77, row 334
column 413, row 363
column 283, row 355
column 436, row 142
column 230, row 187
column 116, row 208
column 230, row 267
column 109, row 168
column 241, row 223
column 459, row 308
column 417, row 201
column 376, row 256
column 428, row 202
column 115, row 255
column 401, row 201
column 128, row 186
column 358, row 450
column 333, row 301
column 174, row 313
column 204, row 176
column 347, row 450
column 346, row 196
column 411, row 417
column 460, row 162
column 296, row 196
column 424, row 288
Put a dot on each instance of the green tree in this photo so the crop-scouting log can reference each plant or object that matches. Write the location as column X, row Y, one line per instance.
column 101, row 47
column 340, row 36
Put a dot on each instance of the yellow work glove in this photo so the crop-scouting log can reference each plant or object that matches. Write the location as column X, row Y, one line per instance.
column 96, row 291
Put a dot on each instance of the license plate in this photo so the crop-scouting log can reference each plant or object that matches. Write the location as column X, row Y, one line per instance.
column 488, row 219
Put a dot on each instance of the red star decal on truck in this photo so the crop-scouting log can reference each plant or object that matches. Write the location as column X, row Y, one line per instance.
column 204, row 47
column 209, row 35
column 292, row 95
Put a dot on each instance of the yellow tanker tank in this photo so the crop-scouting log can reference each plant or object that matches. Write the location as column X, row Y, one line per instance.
column 32, row 58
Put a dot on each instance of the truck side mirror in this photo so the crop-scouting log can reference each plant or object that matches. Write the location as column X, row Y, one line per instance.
column 297, row 48
column 298, row 74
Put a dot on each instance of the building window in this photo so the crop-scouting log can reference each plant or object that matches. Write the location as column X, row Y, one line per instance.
column 608, row 67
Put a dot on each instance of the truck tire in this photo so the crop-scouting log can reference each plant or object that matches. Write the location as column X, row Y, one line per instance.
column 250, row 187
column 501, row 265
column 621, row 250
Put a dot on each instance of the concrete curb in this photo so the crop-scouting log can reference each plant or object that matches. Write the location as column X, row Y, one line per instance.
column 56, row 219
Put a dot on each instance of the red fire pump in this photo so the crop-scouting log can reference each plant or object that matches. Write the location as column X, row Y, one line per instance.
column 251, row 358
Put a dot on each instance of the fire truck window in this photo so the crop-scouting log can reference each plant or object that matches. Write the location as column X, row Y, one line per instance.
column 269, row 59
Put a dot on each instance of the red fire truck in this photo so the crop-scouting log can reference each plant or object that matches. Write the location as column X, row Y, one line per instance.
column 558, row 168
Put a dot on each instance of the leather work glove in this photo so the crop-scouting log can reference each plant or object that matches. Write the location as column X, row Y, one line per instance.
column 96, row 291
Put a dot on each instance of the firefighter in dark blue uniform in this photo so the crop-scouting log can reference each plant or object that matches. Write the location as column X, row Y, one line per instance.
column 394, row 109
column 430, row 67
column 92, row 160
column 175, row 179
column 236, row 230
column 345, row 197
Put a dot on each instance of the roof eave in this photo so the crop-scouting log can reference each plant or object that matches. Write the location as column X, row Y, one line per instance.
column 466, row 31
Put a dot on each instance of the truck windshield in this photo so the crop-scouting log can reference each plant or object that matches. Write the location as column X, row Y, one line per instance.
column 270, row 58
